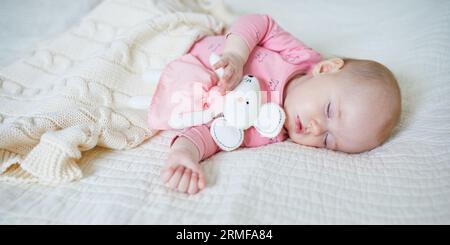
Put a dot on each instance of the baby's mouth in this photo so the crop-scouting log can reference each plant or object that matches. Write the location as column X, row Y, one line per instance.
column 298, row 125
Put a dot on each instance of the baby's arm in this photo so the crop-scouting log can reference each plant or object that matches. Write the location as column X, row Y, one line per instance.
column 182, row 171
column 251, row 30
column 262, row 30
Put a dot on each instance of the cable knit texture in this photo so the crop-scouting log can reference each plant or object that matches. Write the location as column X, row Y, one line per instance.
column 70, row 94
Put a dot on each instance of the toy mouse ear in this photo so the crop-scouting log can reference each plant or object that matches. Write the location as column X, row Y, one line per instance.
column 226, row 137
column 270, row 121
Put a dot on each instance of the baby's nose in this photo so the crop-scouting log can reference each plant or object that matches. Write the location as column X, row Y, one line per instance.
column 316, row 128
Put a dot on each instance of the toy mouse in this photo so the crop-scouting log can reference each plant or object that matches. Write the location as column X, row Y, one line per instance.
column 242, row 110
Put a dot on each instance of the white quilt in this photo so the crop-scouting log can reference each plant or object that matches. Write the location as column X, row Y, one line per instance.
column 405, row 181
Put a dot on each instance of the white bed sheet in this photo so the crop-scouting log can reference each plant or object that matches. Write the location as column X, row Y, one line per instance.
column 405, row 181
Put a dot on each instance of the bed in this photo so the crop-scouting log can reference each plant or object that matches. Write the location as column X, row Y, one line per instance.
column 405, row 181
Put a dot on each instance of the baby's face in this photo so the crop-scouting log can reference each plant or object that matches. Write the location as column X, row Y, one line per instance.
column 332, row 112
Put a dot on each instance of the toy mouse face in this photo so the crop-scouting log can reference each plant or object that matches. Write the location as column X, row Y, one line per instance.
column 243, row 103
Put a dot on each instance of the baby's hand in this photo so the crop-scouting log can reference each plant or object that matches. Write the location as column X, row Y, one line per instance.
column 182, row 171
column 233, row 65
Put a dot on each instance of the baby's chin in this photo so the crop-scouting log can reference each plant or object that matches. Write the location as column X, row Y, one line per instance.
column 293, row 136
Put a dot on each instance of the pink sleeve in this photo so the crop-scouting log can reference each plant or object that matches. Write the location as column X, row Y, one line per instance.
column 201, row 138
column 262, row 30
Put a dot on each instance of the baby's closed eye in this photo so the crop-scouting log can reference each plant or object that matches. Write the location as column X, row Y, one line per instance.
column 329, row 110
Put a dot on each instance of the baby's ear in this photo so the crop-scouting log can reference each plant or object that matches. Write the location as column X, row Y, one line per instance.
column 328, row 66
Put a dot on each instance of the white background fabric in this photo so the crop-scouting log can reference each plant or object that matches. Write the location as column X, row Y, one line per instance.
column 24, row 23
column 405, row 181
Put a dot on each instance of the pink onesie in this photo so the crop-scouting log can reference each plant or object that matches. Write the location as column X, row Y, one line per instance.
column 276, row 56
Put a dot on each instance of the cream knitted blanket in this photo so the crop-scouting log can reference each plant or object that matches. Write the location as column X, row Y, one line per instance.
column 71, row 94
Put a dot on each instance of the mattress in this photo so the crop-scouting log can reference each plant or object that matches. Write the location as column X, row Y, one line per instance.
column 404, row 181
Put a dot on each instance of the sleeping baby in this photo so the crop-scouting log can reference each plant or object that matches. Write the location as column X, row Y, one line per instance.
column 341, row 104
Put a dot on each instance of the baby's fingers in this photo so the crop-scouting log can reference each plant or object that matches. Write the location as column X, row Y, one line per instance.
column 193, row 185
column 185, row 180
column 173, row 182
column 166, row 173
column 201, row 180
column 233, row 82
column 227, row 74
column 225, row 81
column 219, row 64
